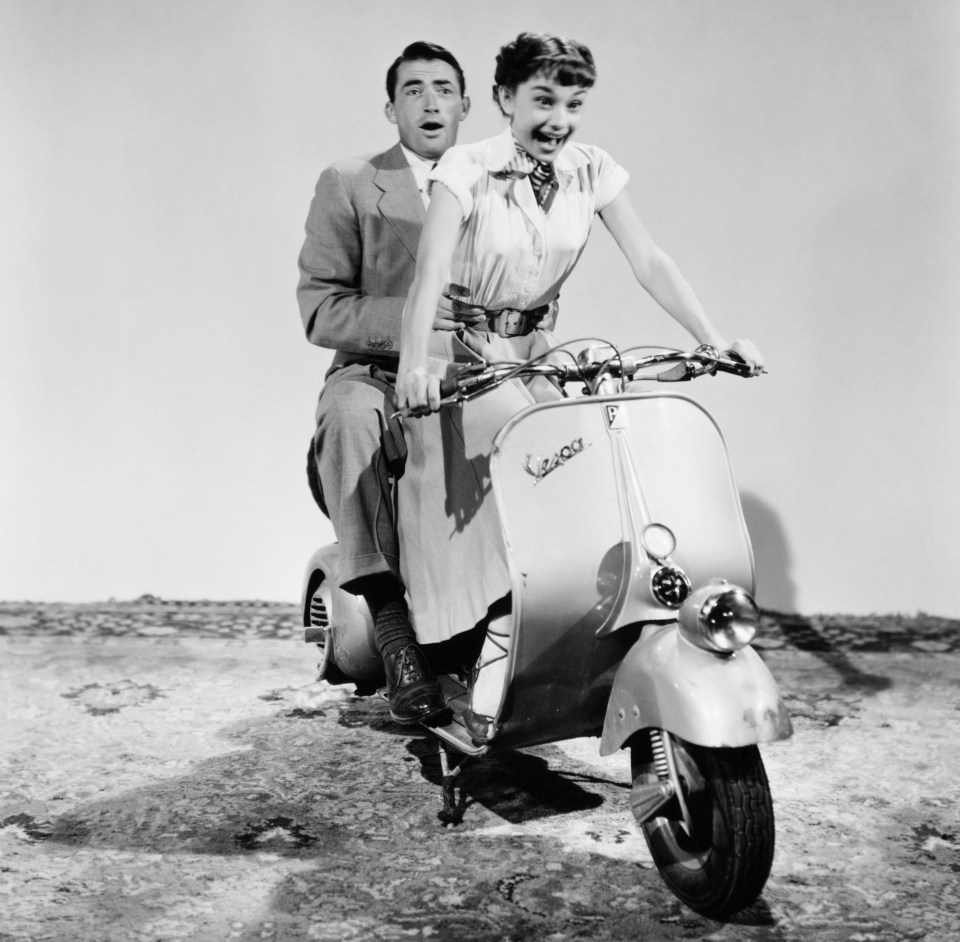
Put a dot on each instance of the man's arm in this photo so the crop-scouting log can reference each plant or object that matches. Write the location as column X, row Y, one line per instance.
column 335, row 312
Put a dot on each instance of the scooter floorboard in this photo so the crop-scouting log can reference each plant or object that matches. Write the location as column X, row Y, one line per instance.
column 453, row 733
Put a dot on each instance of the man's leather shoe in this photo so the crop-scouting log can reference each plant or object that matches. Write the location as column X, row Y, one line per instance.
column 412, row 690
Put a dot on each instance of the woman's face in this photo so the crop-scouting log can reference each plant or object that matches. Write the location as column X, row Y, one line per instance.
column 543, row 114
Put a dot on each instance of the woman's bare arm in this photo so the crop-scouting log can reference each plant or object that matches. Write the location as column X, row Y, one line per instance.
column 662, row 279
column 417, row 390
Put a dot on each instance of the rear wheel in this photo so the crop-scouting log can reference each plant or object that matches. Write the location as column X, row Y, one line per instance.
column 715, row 854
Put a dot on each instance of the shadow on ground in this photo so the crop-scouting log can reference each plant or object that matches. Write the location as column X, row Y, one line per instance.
column 338, row 790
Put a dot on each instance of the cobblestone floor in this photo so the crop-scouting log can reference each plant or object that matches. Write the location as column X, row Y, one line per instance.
column 152, row 617
column 172, row 771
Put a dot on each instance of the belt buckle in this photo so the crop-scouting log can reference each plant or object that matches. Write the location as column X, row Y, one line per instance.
column 511, row 323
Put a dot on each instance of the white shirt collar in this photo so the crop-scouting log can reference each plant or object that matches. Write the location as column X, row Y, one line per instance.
column 420, row 168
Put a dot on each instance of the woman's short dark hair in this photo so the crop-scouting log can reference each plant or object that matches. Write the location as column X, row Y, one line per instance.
column 564, row 60
column 426, row 51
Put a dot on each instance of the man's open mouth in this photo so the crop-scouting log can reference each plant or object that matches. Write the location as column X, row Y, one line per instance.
column 431, row 126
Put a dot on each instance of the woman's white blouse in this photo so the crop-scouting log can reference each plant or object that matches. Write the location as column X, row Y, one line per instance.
column 511, row 254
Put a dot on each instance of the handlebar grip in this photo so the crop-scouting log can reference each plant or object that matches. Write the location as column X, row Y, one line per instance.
column 448, row 387
column 731, row 363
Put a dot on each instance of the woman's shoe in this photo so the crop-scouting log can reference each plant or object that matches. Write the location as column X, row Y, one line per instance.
column 481, row 728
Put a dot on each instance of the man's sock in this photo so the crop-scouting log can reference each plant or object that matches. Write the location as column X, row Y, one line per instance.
column 392, row 629
column 391, row 620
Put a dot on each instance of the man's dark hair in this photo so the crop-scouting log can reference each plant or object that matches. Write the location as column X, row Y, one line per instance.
column 427, row 51
column 565, row 60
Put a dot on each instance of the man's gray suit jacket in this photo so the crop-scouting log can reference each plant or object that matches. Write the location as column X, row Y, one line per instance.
column 359, row 256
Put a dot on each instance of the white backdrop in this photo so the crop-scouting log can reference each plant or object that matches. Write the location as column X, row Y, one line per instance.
column 799, row 158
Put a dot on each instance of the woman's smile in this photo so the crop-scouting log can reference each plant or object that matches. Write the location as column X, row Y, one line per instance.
column 543, row 114
column 551, row 140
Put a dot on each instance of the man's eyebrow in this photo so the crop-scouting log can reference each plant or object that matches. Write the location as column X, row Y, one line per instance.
column 412, row 81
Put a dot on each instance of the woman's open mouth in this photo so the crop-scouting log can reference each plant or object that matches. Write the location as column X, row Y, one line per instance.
column 549, row 141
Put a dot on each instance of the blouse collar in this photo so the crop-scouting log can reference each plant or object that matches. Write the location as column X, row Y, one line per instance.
column 507, row 160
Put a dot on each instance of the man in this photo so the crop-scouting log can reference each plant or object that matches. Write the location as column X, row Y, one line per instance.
column 356, row 266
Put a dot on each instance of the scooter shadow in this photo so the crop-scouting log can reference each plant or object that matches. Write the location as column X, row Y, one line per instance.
column 804, row 634
column 757, row 914
column 517, row 786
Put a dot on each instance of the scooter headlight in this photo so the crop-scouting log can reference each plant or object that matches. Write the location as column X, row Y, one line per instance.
column 721, row 618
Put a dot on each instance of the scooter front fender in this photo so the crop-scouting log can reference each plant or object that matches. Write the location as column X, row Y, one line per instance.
column 716, row 701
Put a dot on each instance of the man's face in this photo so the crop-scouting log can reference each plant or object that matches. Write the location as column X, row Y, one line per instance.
column 427, row 106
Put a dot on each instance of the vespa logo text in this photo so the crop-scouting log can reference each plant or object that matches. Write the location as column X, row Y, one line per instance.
column 540, row 467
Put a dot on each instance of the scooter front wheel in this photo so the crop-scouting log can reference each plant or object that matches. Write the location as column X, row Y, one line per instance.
column 715, row 848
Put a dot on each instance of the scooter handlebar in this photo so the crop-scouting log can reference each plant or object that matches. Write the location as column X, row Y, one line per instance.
column 448, row 387
column 681, row 366
column 731, row 363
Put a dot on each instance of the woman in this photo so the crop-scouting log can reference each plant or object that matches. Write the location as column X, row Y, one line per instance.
column 508, row 219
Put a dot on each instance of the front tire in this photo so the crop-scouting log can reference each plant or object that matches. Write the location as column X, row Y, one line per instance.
column 723, row 863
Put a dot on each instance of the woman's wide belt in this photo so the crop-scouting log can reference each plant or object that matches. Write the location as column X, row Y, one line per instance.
column 510, row 322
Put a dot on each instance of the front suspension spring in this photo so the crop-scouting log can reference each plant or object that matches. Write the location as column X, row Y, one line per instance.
column 660, row 763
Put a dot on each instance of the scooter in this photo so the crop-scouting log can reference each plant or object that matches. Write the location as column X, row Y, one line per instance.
column 632, row 611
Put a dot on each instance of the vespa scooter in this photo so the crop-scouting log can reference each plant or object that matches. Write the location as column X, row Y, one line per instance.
column 632, row 612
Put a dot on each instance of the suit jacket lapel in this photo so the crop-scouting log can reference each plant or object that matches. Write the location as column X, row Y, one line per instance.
column 401, row 204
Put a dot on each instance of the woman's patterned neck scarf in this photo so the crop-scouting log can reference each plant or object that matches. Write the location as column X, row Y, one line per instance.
column 543, row 178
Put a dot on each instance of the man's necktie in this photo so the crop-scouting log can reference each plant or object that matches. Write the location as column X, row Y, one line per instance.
column 425, row 188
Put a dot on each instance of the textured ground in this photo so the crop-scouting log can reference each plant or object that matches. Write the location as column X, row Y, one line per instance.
column 172, row 771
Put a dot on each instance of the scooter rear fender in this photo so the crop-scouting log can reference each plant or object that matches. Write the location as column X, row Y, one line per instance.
column 666, row 682
column 349, row 627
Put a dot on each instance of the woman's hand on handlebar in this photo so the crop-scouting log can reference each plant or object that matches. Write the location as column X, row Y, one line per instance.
column 418, row 392
column 748, row 352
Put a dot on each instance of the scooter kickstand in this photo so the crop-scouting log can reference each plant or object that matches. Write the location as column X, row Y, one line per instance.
column 452, row 811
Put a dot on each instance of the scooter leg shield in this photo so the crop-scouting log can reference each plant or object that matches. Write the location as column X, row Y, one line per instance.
column 711, row 700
